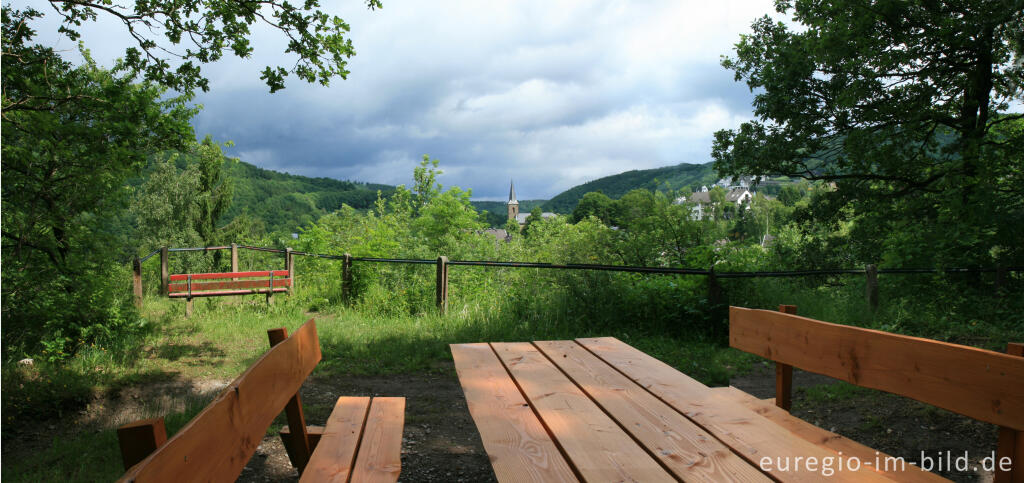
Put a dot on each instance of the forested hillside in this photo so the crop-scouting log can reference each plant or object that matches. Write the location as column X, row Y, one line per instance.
column 670, row 177
column 287, row 201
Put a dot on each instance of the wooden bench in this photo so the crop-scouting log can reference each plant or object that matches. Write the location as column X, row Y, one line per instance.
column 190, row 285
column 980, row 384
column 360, row 442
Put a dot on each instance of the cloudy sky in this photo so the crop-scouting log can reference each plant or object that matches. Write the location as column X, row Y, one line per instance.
column 550, row 94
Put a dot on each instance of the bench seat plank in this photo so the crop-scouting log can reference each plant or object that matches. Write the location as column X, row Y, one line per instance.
column 237, row 284
column 987, row 383
column 380, row 450
column 226, row 292
column 219, row 441
column 750, row 435
column 335, row 453
column 517, row 444
column 595, row 444
column 684, row 448
column 180, row 277
column 825, row 438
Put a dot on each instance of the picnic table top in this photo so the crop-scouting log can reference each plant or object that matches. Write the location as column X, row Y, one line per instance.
column 600, row 410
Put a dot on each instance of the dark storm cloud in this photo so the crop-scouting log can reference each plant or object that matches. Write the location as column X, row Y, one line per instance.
column 550, row 94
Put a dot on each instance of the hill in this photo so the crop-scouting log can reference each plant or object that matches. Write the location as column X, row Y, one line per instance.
column 614, row 186
column 286, row 201
column 283, row 202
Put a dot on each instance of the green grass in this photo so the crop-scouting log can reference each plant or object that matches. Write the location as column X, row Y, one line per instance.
column 225, row 336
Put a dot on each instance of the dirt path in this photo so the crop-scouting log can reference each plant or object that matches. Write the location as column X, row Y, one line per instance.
column 440, row 442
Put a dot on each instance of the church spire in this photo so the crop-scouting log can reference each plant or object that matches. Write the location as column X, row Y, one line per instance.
column 512, row 193
column 513, row 204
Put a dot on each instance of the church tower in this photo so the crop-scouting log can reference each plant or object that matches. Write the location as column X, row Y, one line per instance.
column 513, row 205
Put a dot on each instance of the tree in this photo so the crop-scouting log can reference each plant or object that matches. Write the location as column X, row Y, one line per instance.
column 183, row 207
column 194, row 32
column 65, row 159
column 594, row 204
column 901, row 104
column 536, row 216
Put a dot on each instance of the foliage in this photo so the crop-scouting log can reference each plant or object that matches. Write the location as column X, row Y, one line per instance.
column 183, row 207
column 904, row 106
column 71, row 137
column 195, row 32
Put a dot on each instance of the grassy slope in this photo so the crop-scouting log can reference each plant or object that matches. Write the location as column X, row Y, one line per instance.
column 670, row 177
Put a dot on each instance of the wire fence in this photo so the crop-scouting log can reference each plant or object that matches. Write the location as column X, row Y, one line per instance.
column 609, row 268
column 714, row 289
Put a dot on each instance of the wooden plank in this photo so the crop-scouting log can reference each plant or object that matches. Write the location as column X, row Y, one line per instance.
column 977, row 383
column 594, row 444
column 229, row 275
column 518, row 446
column 683, row 448
column 825, row 438
column 380, row 449
column 784, row 374
column 300, row 450
column 335, row 454
column 139, row 439
column 240, row 284
column 1010, row 443
column 227, row 292
column 219, row 441
column 749, row 434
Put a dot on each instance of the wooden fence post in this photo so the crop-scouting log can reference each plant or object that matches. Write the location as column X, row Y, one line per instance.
column 714, row 289
column 300, row 449
column 234, row 259
column 1000, row 277
column 442, row 284
column 137, row 281
column 784, row 374
column 289, row 265
column 140, row 439
column 1011, row 442
column 346, row 278
column 165, row 274
column 871, row 272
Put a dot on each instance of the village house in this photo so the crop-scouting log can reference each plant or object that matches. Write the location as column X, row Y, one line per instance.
column 738, row 195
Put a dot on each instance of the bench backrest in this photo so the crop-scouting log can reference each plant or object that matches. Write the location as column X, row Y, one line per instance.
column 981, row 384
column 221, row 439
column 228, row 283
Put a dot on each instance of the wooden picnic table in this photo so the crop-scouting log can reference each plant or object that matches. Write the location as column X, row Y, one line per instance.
column 600, row 410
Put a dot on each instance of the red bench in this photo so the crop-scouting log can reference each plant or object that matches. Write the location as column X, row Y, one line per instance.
column 191, row 285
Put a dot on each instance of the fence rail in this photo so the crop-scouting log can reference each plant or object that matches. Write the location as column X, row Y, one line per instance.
column 442, row 263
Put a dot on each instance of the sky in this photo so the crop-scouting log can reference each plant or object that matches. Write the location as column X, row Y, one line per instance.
column 548, row 94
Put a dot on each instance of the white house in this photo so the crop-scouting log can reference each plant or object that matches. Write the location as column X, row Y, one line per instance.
column 702, row 200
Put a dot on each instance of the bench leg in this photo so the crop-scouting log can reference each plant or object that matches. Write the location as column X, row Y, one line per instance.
column 313, row 434
column 1011, row 442
column 188, row 308
column 140, row 439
